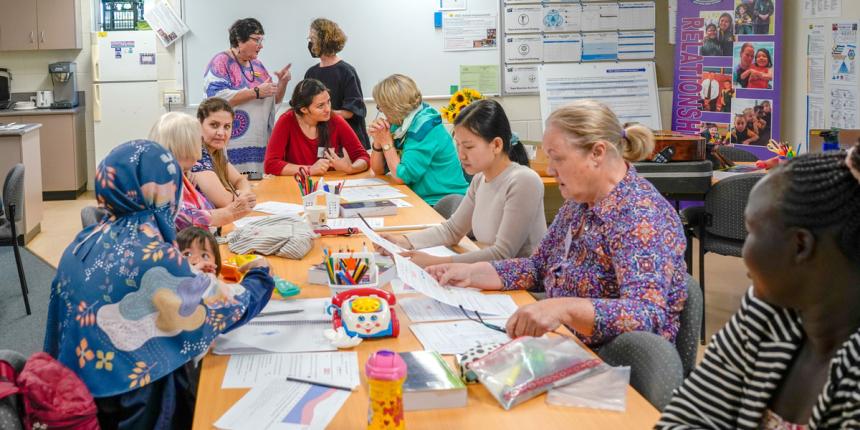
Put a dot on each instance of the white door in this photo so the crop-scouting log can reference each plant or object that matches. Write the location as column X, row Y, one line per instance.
column 124, row 56
column 122, row 112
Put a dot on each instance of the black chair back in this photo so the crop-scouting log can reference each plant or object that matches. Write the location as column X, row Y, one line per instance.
column 725, row 204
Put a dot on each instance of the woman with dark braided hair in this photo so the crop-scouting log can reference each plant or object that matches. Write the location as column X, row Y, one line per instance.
column 789, row 358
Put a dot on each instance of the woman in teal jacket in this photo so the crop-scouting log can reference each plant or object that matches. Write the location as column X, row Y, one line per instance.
column 412, row 142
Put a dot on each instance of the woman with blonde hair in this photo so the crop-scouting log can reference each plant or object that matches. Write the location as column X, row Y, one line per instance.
column 412, row 142
column 325, row 40
column 613, row 259
column 181, row 134
column 213, row 174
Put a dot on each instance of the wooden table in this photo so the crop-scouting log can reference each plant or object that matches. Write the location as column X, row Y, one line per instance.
column 482, row 412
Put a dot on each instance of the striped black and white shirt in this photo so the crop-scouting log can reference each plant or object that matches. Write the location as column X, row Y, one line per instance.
column 743, row 367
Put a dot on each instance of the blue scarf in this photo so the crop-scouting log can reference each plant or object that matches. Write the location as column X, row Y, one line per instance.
column 125, row 307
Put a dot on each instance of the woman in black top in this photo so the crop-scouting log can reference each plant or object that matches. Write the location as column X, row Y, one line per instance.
column 325, row 40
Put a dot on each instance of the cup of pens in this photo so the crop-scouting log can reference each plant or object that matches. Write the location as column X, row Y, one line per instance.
column 348, row 270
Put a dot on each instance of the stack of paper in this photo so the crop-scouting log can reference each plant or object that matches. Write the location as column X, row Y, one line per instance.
column 284, row 405
column 301, row 331
column 279, row 208
column 338, row 368
column 457, row 336
column 422, row 309
column 367, row 194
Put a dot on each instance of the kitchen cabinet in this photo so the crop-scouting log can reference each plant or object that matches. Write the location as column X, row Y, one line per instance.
column 40, row 24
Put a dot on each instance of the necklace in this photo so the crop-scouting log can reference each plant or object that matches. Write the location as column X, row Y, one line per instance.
column 242, row 68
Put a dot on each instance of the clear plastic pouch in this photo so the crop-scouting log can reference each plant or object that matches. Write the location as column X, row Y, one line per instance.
column 604, row 389
column 529, row 366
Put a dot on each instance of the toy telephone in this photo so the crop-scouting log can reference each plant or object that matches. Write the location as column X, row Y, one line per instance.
column 230, row 267
column 365, row 312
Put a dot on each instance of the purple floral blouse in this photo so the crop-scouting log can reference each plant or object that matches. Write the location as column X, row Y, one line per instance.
column 626, row 253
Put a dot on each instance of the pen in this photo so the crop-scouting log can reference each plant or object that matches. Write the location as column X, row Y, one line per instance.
column 273, row 313
column 321, row 384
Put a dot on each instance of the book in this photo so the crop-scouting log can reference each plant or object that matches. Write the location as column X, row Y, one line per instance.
column 431, row 383
column 317, row 274
column 366, row 209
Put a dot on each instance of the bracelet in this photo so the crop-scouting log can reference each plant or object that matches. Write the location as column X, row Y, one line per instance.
column 257, row 91
column 375, row 149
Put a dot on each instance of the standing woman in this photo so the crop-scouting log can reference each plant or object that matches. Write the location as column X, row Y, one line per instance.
column 310, row 136
column 762, row 12
column 213, row 174
column 236, row 75
column 412, row 142
column 325, row 40
column 504, row 204
column 726, row 34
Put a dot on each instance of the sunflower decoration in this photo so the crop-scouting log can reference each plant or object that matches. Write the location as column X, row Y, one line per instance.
column 459, row 100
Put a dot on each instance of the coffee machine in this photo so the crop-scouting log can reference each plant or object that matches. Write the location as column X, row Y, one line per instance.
column 64, row 75
column 5, row 88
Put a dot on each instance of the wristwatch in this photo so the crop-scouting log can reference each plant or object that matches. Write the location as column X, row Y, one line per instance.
column 257, row 91
column 384, row 148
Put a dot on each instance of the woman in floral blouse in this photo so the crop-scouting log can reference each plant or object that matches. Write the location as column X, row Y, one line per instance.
column 613, row 259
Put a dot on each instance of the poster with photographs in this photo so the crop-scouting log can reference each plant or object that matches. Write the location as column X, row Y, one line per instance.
column 727, row 80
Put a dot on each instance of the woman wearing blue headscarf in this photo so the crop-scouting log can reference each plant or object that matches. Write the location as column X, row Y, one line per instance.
column 127, row 313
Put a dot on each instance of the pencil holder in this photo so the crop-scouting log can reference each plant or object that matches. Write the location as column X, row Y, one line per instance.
column 332, row 204
column 341, row 277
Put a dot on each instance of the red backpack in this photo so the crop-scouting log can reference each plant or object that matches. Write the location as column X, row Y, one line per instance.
column 53, row 397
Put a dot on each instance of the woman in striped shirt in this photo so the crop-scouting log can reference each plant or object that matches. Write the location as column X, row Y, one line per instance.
column 790, row 358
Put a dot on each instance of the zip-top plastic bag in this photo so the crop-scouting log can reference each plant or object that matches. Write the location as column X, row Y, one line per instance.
column 528, row 366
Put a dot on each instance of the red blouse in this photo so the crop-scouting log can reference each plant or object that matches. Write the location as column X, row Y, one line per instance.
column 289, row 145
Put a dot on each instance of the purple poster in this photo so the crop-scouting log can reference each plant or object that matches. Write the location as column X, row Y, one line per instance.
column 727, row 79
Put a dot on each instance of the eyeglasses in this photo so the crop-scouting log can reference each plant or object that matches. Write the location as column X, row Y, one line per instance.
column 258, row 40
column 480, row 320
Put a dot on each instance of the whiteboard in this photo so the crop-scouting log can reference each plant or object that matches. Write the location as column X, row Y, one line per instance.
column 384, row 37
column 628, row 88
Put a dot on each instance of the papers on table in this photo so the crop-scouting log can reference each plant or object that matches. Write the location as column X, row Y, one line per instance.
column 439, row 251
column 284, row 405
column 423, row 309
column 374, row 222
column 293, row 332
column 241, row 222
column 246, row 371
column 369, row 194
column 457, row 336
column 379, row 240
column 401, row 203
column 279, row 208
column 365, row 182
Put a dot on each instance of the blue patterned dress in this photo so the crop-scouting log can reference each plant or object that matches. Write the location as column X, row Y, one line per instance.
column 626, row 253
column 254, row 119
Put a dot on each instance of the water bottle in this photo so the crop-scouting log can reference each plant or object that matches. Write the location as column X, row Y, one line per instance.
column 385, row 371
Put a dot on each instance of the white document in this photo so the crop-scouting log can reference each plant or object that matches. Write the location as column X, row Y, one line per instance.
column 246, row 371
column 165, row 22
column 600, row 46
column 521, row 79
column 423, row 309
column 566, row 47
column 630, row 89
column 816, row 78
column 467, row 31
column 367, row 194
column 284, row 405
column 599, row 16
column 279, row 208
column 562, row 18
column 379, row 240
column 822, row 9
column 291, row 332
column 452, row 4
column 673, row 20
column 312, row 310
column 843, row 61
column 843, row 107
column 639, row 15
column 401, row 203
column 439, row 251
column 456, row 337
column 521, row 49
column 363, row 182
column 354, row 222
column 636, row 45
column 523, row 19
column 241, row 222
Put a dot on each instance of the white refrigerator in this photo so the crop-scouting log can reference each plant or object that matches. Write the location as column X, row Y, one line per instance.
column 126, row 100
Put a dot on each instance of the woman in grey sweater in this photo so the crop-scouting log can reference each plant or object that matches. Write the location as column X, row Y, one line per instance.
column 504, row 204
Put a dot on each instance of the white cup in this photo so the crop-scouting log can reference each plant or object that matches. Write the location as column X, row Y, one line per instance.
column 316, row 215
column 25, row 105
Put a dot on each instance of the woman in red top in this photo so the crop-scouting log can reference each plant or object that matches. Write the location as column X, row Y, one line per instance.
column 309, row 136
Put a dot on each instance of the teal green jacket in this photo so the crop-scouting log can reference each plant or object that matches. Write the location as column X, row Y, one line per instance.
column 428, row 161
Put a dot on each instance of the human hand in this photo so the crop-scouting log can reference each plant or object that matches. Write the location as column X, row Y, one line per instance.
column 248, row 196
column 397, row 239
column 454, row 274
column 239, row 208
column 203, row 266
column 257, row 262
column 341, row 164
column 267, row 89
column 536, row 319
column 284, row 75
column 424, row 259
column 379, row 130
column 320, row 167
